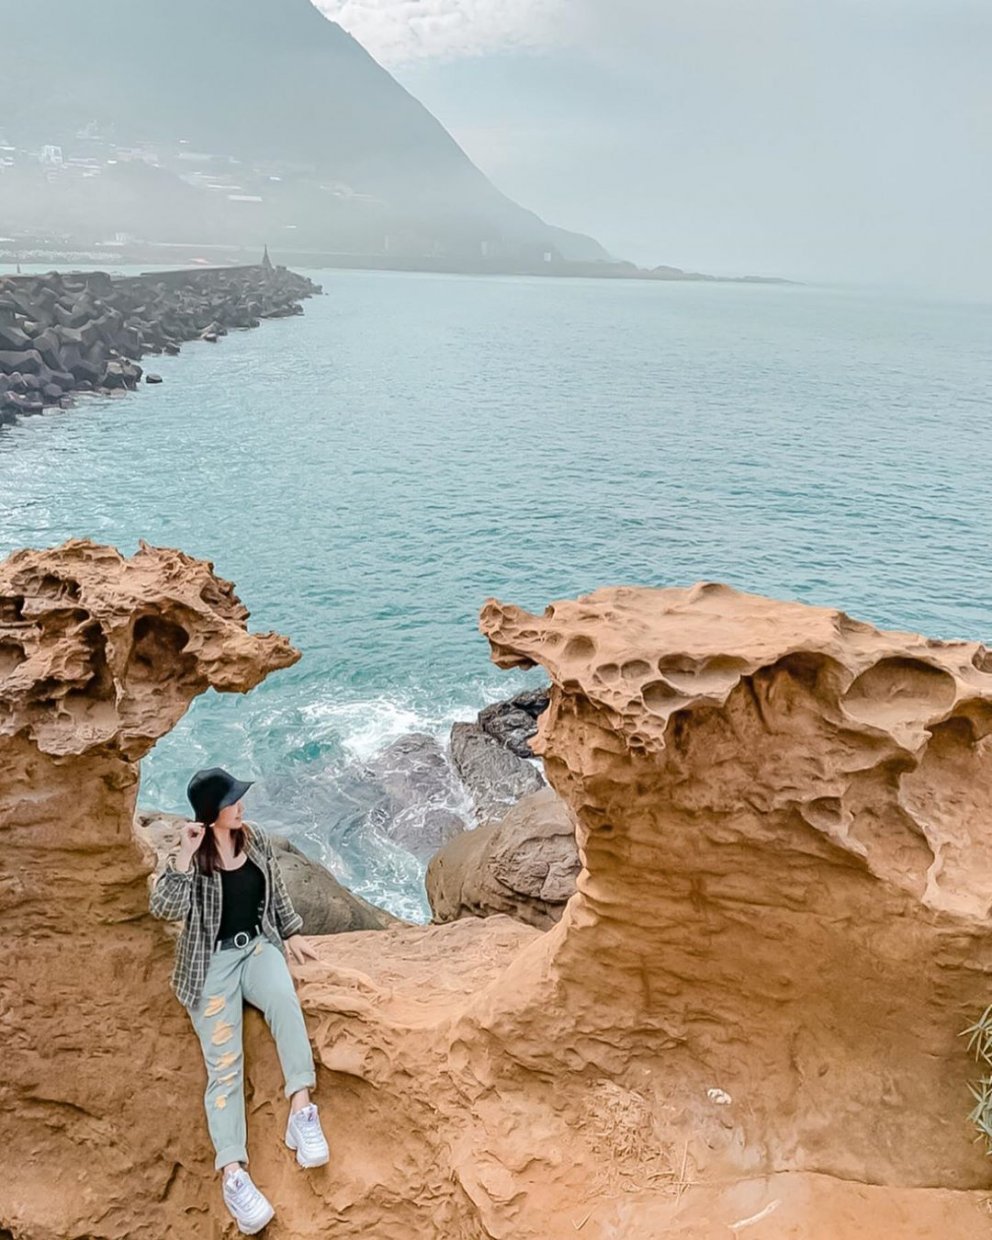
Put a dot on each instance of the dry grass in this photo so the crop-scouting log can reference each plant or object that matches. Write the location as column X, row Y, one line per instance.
column 622, row 1131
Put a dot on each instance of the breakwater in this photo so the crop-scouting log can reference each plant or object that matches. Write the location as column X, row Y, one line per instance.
column 61, row 335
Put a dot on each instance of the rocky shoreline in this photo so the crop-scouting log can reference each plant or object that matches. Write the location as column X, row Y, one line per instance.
column 747, row 1016
column 494, row 838
column 84, row 332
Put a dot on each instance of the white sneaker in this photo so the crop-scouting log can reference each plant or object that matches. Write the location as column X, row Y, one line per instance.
column 251, row 1209
column 304, row 1134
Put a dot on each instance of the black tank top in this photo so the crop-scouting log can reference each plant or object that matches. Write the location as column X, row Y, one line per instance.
column 243, row 891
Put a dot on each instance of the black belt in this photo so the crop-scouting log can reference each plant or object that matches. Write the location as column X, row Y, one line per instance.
column 241, row 939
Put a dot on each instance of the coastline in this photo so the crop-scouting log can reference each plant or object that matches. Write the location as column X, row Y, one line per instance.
column 221, row 256
column 84, row 332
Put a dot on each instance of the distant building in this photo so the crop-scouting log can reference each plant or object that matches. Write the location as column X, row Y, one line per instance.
column 51, row 156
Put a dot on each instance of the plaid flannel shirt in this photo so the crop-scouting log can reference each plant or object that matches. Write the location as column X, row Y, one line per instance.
column 195, row 899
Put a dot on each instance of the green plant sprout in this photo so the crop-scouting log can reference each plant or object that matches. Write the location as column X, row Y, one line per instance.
column 979, row 1037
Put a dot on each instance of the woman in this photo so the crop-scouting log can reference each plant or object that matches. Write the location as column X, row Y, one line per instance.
column 224, row 883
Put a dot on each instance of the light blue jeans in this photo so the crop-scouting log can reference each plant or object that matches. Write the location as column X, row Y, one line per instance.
column 256, row 974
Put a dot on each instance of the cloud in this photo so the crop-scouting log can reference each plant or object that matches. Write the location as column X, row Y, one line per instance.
column 398, row 32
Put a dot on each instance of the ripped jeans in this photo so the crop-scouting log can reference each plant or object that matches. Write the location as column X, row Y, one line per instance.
column 256, row 974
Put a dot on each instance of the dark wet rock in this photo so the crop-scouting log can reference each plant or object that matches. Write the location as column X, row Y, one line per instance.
column 13, row 338
column 84, row 371
column 524, row 865
column 324, row 904
column 152, row 378
column 49, row 345
column 87, row 332
column 513, row 722
column 121, row 374
column 494, row 776
column 23, row 361
column 416, row 792
column 63, row 378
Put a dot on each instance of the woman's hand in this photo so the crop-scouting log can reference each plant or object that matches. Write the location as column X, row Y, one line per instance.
column 190, row 838
column 300, row 949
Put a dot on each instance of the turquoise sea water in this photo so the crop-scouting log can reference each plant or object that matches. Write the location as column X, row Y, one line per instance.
column 368, row 474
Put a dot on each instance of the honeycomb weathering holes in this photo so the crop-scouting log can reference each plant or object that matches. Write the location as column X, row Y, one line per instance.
column 899, row 690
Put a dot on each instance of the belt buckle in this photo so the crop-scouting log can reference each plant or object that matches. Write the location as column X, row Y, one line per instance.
column 242, row 938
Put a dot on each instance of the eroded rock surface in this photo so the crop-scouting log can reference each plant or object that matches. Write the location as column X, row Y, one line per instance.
column 99, row 657
column 524, row 865
column 787, row 872
column 745, row 1022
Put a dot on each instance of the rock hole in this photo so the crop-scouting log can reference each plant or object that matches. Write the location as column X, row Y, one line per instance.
column 635, row 669
column 659, row 696
column 714, row 675
column 57, row 589
column 101, row 685
column 158, row 653
column 579, row 647
column 12, row 609
column 899, row 691
column 804, row 668
column 11, row 656
column 825, row 813
column 154, row 637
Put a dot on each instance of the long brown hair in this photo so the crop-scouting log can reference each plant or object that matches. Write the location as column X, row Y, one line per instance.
column 207, row 856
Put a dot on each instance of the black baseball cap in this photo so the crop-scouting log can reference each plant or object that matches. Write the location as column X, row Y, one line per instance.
column 211, row 790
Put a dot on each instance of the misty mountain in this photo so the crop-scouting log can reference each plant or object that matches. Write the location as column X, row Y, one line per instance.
column 233, row 120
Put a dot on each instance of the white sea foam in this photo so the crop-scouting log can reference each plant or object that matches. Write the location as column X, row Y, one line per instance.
column 365, row 727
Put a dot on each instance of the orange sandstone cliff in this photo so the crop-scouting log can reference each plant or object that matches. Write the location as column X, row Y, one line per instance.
column 745, row 1024
column 99, row 657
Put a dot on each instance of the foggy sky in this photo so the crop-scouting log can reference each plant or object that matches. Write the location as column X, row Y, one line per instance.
column 846, row 140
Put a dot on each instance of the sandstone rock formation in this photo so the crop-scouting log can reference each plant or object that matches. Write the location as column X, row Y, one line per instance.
column 99, row 657
column 324, row 904
column 744, row 1024
column 85, row 332
column 523, row 865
